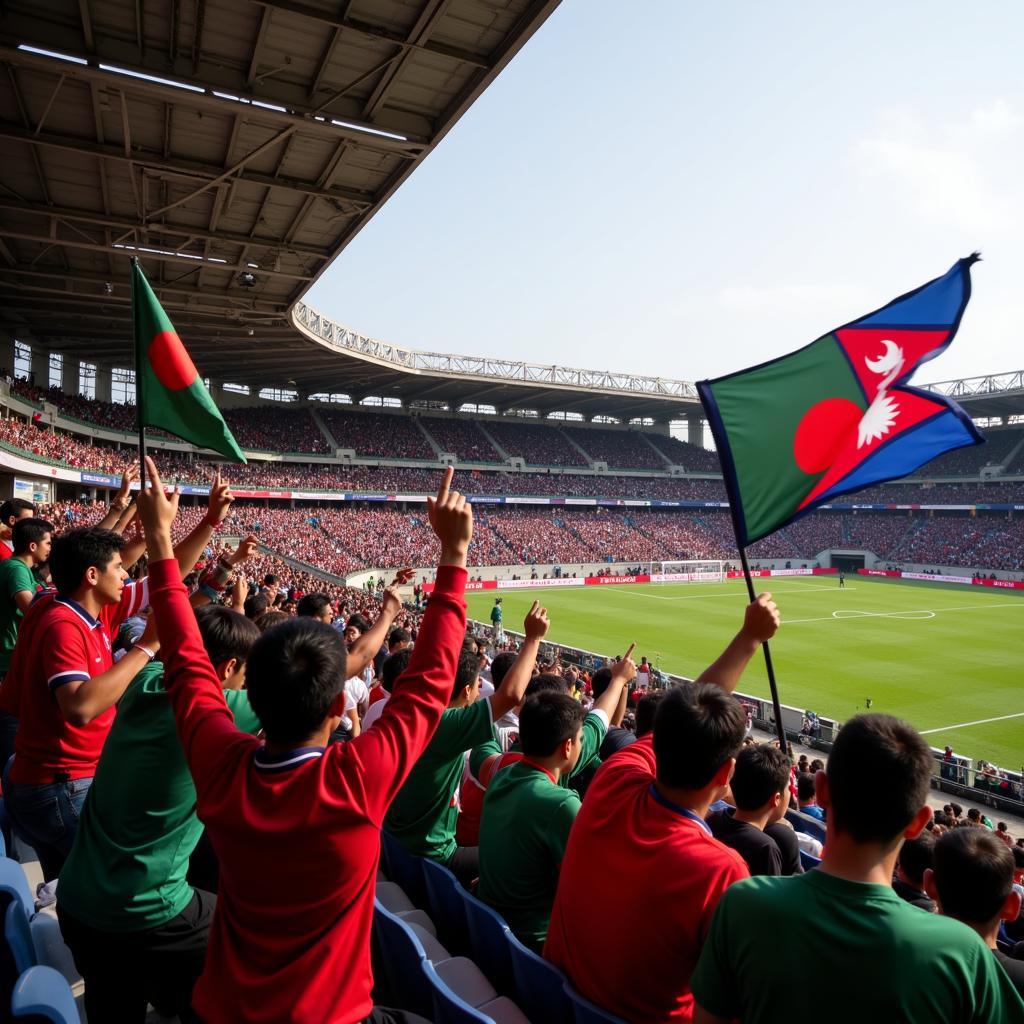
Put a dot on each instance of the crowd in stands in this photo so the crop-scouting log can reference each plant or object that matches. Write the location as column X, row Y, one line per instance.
column 682, row 453
column 620, row 448
column 276, row 429
column 970, row 461
column 226, row 796
column 463, row 437
column 377, row 434
column 536, row 444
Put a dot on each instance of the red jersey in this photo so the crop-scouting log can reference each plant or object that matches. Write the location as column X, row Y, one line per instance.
column 59, row 642
column 632, row 950
column 297, row 834
column 5, row 550
column 472, row 793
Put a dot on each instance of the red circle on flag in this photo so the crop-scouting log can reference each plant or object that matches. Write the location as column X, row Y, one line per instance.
column 171, row 363
column 822, row 433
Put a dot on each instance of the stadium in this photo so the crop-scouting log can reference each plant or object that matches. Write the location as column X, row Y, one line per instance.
column 236, row 150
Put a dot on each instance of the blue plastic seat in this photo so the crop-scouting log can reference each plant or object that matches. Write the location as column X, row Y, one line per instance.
column 449, row 1008
column 809, row 861
column 14, row 886
column 42, row 993
column 444, row 897
column 18, row 938
column 402, row 954
column 404, row 868
column 806, row 823
column 586, row 1012
column 540, row 986
column 488, row 935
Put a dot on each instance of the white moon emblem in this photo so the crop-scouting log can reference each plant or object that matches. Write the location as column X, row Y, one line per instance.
column 885, row 362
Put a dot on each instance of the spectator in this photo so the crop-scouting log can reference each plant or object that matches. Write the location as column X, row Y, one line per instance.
column 806, row 797
column 915, row 857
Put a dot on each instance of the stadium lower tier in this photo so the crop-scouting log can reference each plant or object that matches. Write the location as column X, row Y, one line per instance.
column 346, row 539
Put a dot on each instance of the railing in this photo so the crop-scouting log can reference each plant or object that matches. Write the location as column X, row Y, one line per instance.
column 413, row 360
column 977, row 387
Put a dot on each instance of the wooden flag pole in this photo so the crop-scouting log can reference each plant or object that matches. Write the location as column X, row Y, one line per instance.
column 139, row 410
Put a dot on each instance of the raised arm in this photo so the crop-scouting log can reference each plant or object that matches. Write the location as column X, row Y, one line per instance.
column 760, row 621
column 365, row 649
column 623, row 672
column 513, row 686
column 121, row 500
column 190, row 550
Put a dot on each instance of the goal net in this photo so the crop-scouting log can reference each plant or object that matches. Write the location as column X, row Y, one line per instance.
column 697, row 571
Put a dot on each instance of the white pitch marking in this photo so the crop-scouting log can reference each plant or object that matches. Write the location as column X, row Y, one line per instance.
column 923, row 613
column 731, row 593
column 964, row 725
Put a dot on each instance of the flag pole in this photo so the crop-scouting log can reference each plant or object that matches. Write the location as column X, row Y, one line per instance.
column 140, row 418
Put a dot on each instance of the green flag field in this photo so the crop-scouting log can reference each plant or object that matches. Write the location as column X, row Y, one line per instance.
column 948, row 658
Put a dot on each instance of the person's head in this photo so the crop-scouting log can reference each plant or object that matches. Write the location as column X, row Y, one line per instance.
column 228, row 637
column 295, row 676
column 355, row 628
column 600, row 681
column 915, row 857
column 761, row 780
column 500, row 665
column 497, row 600
column 256, row 605
column 398, row 640
column 467, row 679
column 551, row 728
column 14, row 509
column 877, row 782
column 270, row 580
column 32, row 537
column 971, row 878
column 546, row 682
column 316, row 606
column 698, row 731
column 646, row 709
column 817, row 765
column 394, row 665
column 88, row 561
column 805, row 789
column 974, row 816
column 270, row 618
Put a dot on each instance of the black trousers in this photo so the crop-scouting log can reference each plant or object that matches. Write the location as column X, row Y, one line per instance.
column 125, row 972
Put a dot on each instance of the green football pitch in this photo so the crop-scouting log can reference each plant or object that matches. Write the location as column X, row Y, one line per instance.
column 949, row 659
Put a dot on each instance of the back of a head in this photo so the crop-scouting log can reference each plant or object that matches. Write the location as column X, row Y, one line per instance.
column 973, row 873
column 466, row 673
column 500, row 665
column 547, row 720
column 294, row 673
column 398, row 636
column 225, row 633
column 313, row 605
column 697, row 728
column 879, row 775
column 646, row 709
column 394, row 665
column 255, row 605
column 917, row 854
column 76, row 551
column 270, row 618
column 546, row 682
column 805, row 787
column 600, row 681
column 761, row 772
column 15, row 508
column 27, row 532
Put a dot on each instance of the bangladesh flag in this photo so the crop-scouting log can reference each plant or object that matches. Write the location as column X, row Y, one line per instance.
column 837, row 415
column 169, row 391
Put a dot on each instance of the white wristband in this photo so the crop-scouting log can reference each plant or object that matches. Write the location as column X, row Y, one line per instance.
column 145, row 650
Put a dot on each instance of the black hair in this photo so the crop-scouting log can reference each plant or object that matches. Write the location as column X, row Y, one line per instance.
column 294, row 674
column 973, row 814
column 916, row 855
column 879, row 774
column 269, row 580
column 546, row 682
column 271, row 617
column 313, row 605
column 761, row 772
column 29, row 531
column 225, row 633
column 973, row 873
column 75, row 552
column 466, row 673
column 12, row 506
column 500, row 666
column 805, row 786
column 646, row 709
column 548, row 720
column 697, row 728
column 255, row 605
column 398, row 636
column 358, row 622
column 394, row 665
column 600, row 681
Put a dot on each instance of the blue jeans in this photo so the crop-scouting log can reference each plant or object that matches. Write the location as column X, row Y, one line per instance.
column 46, row 817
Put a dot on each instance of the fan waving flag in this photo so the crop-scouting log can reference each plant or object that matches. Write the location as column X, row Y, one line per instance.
column 169, row 391
column 837, row 415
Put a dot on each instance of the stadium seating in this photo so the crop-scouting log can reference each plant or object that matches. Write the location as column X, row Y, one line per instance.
column 42, row 994
column 586, row 1012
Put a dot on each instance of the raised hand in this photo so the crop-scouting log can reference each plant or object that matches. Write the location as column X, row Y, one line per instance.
column 535, row 625
column 761, row 619
column 157, row 510
column 625, row 667
column 122, row 499
column 219, row 501
column 451, row 518
column 245, row 550
column 239, row 592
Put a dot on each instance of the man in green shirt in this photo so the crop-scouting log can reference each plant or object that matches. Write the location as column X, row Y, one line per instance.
column 137, row 929
column 527, row 817
column 30, row 543
column 856, row 946
column 497, row 633
column 423, row 815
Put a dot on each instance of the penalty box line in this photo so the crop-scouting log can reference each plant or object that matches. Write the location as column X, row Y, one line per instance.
column 731, row 593
column 964, row 725
column 915, row 615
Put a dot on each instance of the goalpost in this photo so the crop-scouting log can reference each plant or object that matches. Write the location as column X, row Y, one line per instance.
column 706, row 570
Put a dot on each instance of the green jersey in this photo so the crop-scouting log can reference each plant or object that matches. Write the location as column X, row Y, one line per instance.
column 423, row 815
column 523, row 834
column 855, row 948
column 496, row 615
column 126, row 870
column 15, row 576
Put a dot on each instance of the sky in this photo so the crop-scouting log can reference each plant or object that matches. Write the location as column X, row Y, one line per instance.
column 683, row 189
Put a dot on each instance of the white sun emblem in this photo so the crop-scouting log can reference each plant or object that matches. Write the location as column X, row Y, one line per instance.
column 882, row 413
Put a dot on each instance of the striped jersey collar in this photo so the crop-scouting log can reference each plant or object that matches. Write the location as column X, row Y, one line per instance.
column 67, row 602
column 288, row 759
column 683, row 812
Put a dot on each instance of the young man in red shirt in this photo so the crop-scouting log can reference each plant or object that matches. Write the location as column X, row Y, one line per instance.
column 642, row 825
column 10, row 512
column 63, row 684
column 295, row 822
